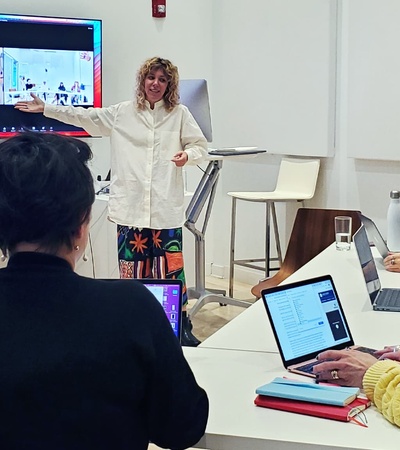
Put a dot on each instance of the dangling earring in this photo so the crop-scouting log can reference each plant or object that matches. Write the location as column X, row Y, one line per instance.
column 84, row 257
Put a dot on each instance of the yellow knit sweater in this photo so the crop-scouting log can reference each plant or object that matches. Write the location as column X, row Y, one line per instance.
column 381, row 383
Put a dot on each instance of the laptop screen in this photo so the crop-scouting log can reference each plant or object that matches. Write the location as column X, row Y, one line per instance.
column 367, row 262
column 306, row 318
column 374, row 235
column 169, row 294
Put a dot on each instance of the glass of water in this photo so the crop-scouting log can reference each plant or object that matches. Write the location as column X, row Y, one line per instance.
column 343, row 232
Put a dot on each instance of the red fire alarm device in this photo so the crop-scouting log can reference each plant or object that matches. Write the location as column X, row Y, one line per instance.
column 159, row 8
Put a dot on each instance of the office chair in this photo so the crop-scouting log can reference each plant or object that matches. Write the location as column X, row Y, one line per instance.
column 313, row 231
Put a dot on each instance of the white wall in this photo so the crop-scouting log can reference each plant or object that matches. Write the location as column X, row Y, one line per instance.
column 190, row 37
column 344, row 182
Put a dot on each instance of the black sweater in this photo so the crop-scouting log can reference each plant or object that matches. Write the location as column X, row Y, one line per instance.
column 89, row 364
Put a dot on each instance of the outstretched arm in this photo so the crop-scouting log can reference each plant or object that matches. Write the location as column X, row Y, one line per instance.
column 33, row 106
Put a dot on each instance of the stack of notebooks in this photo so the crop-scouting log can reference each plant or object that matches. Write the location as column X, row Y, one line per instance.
column 320, row 400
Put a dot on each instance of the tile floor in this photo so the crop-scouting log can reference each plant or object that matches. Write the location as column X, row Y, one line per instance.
column 212, row 316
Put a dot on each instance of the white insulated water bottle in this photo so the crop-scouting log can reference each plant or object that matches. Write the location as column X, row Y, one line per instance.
column 393, row 222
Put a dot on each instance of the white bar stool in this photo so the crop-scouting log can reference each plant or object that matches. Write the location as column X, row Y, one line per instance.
column 297, row 179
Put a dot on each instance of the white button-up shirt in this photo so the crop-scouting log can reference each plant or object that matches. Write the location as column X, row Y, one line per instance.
column 146, row 188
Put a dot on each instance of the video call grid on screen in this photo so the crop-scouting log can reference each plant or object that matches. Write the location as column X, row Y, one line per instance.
column 307, row 319
column 58, row 59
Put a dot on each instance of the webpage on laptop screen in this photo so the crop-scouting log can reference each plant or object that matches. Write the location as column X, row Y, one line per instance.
column 307, row 319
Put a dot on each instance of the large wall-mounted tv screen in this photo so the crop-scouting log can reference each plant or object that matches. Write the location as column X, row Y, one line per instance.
column 58, row 59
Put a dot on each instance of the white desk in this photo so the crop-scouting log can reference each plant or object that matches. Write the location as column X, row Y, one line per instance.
column 235, row 423
column 251, row 330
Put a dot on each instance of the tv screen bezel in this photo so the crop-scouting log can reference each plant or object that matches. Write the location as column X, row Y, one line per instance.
column 37, row 121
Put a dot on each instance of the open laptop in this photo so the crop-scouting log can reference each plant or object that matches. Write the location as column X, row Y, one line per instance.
column 374, row 235
column 307, row 318
column 387, row 299
column 169, row 294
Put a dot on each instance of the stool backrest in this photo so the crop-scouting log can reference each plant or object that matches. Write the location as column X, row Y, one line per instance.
column 313, row 231
column 298, row 176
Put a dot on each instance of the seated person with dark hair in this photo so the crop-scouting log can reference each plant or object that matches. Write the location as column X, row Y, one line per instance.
column 29, row 84
column 380, row 378
column 85, row 364
column 62, row 98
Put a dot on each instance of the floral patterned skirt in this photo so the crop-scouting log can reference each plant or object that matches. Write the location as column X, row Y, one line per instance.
column 147, row 253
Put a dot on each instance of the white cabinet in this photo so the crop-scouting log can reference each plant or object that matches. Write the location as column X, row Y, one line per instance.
column 101, row 251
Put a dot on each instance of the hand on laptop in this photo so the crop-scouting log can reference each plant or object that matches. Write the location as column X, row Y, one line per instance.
column 389, row 352
column 343, row 367
column 392, row 262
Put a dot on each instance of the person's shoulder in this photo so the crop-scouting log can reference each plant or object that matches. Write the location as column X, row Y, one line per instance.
column 125, row 292
column 127, row 104
column 183, row 108
column 117, row 286
column 125, row 107
column 125, row 297
column 184, row 111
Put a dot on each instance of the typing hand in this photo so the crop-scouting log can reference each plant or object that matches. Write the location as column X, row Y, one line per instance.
column 389, row 352
column 392, row 262
column 344, row 367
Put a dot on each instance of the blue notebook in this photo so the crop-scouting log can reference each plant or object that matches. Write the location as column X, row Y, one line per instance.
column 309, row 392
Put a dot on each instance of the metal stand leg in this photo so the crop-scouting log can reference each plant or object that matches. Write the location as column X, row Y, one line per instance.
column 232, row 249
column 205, row 191
column 276, row 231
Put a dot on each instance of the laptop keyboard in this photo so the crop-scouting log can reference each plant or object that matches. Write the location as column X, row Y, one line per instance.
column 389, row 297
column 308, row 368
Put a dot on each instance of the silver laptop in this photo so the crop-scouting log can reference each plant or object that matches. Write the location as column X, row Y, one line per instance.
column 307, row 318
column 387, row 299
column 374, row 235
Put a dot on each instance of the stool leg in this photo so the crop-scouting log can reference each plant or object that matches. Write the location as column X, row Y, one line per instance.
column 267, row 238
column 276, row 232
column 232, row 249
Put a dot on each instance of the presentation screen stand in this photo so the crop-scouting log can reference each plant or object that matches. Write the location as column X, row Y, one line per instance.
column 204, row 197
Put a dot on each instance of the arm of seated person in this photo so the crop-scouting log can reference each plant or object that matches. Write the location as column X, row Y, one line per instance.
column 381, row 384
column 379, row 379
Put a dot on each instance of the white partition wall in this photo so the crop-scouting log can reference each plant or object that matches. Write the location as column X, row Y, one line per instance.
column 277, row 65
column 374, row 73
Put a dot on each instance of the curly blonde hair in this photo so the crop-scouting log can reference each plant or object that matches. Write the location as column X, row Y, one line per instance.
column 171, row 96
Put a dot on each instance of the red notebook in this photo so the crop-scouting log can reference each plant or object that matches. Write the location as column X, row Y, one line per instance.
column 342, row 413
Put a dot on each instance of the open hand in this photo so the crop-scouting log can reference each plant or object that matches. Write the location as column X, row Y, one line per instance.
column 33, row 106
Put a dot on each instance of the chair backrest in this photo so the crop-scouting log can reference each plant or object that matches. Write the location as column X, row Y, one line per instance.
column 298, row 175
column 313, row 231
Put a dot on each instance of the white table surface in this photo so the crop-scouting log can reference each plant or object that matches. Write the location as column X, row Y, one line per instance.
column 230, row 378
column 251, row 330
